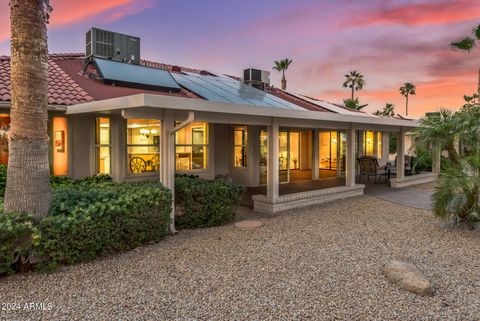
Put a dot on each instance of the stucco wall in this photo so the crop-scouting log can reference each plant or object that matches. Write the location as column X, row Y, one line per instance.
column 82, row 146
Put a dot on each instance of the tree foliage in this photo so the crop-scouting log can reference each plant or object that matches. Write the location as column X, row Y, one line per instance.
column 408, row 89
column 353, row 104
column 282, row 66
column 387, row 111
column 469, row 42
column 457, row 194
column 355, row 81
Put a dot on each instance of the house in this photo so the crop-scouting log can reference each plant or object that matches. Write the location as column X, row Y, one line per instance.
column 138, row 120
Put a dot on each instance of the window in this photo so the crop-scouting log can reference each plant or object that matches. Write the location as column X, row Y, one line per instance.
column 368, row 143
column 372, row 140
column 191, row 145
column 328, row 150
column 263, row 156
column 4, row 125
column 102, row 145
column 294, row 150
column 60, row 146
column 379, row 145
column 143, row 145
column 240, row 146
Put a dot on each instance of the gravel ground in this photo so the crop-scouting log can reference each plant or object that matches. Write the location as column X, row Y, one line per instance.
column 320, row 263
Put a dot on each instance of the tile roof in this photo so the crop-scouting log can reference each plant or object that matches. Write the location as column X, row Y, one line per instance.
column 67, row 85
column 62, row 89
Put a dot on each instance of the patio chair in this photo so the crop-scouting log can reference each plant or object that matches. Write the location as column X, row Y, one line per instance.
column 369, row 167
column 408, row 166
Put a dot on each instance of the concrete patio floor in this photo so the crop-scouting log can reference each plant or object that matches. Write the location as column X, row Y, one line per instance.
column 416, row 197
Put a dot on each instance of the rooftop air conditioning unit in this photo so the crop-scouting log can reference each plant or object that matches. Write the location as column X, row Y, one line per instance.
column 257, row 78
column 111, row 45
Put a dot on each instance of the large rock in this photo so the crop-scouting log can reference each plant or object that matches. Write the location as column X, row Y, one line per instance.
column 408, row 277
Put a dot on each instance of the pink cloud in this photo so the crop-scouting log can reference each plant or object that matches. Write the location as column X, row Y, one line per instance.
column 435, row 12
column 72, row 11
column 431, row 95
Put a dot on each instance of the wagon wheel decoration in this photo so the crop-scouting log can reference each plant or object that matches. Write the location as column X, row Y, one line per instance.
column 137, row 165
column 154, row 164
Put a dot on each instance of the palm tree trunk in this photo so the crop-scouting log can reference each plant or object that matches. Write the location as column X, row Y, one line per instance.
column 28, row 174
column 406, row 105
column 452, row 154
column 478, row 90
column 284, row 81
column 353, row 92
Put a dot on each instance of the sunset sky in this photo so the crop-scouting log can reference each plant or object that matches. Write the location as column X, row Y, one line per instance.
column 389, row 41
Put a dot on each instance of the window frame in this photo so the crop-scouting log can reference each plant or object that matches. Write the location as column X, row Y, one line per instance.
column 204, row 146
column 243, row 146
column 127, row 145
column 98, row 145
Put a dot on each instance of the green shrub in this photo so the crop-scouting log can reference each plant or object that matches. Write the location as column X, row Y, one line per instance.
column 87, row 221
column 18, row 236
column 100, row 179
column 3, row 179
column 204, row 203
column 457, row 193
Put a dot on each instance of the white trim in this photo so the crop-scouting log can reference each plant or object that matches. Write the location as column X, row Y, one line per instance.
column 190, row 104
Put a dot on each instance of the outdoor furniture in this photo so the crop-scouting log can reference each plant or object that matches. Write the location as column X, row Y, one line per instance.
column 408, row 166
column 369, row 167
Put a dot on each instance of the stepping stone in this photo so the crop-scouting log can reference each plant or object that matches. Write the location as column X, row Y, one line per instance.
column 249, row 225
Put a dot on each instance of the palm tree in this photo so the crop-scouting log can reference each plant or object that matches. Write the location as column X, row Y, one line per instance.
column 282, row 65
column 353, row 104
column 439, row 133
column 28, row 174
column 457, row 191
column 355, row 81
column 407, row 89
column 467, row 44
column 388, row 111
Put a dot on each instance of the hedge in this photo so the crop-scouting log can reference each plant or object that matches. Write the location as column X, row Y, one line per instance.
column 88, row 220
column 95, row 217
column 205, row 203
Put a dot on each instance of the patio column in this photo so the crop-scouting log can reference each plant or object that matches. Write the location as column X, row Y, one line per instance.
column 401, row 154
column 350, row 155
column 315, row 155
column 272, row 163
column 339, row 155
column 167, row 160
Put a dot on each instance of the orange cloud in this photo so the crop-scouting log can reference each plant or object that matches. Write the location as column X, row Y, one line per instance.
column 445, row 11
column 431, row 95
column 72, row 11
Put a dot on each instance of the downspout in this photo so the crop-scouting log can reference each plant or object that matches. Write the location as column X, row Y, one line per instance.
column 185, row 123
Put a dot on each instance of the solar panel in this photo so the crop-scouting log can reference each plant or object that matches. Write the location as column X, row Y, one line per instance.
column 228, row 90
column 114, row 71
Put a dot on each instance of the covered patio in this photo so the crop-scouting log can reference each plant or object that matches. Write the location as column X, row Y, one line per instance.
column 310, row 185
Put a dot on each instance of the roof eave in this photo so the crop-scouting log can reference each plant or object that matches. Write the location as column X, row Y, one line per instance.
column 180, row 103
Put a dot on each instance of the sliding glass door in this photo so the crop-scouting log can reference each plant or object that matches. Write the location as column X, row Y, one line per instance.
column 288, row 154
